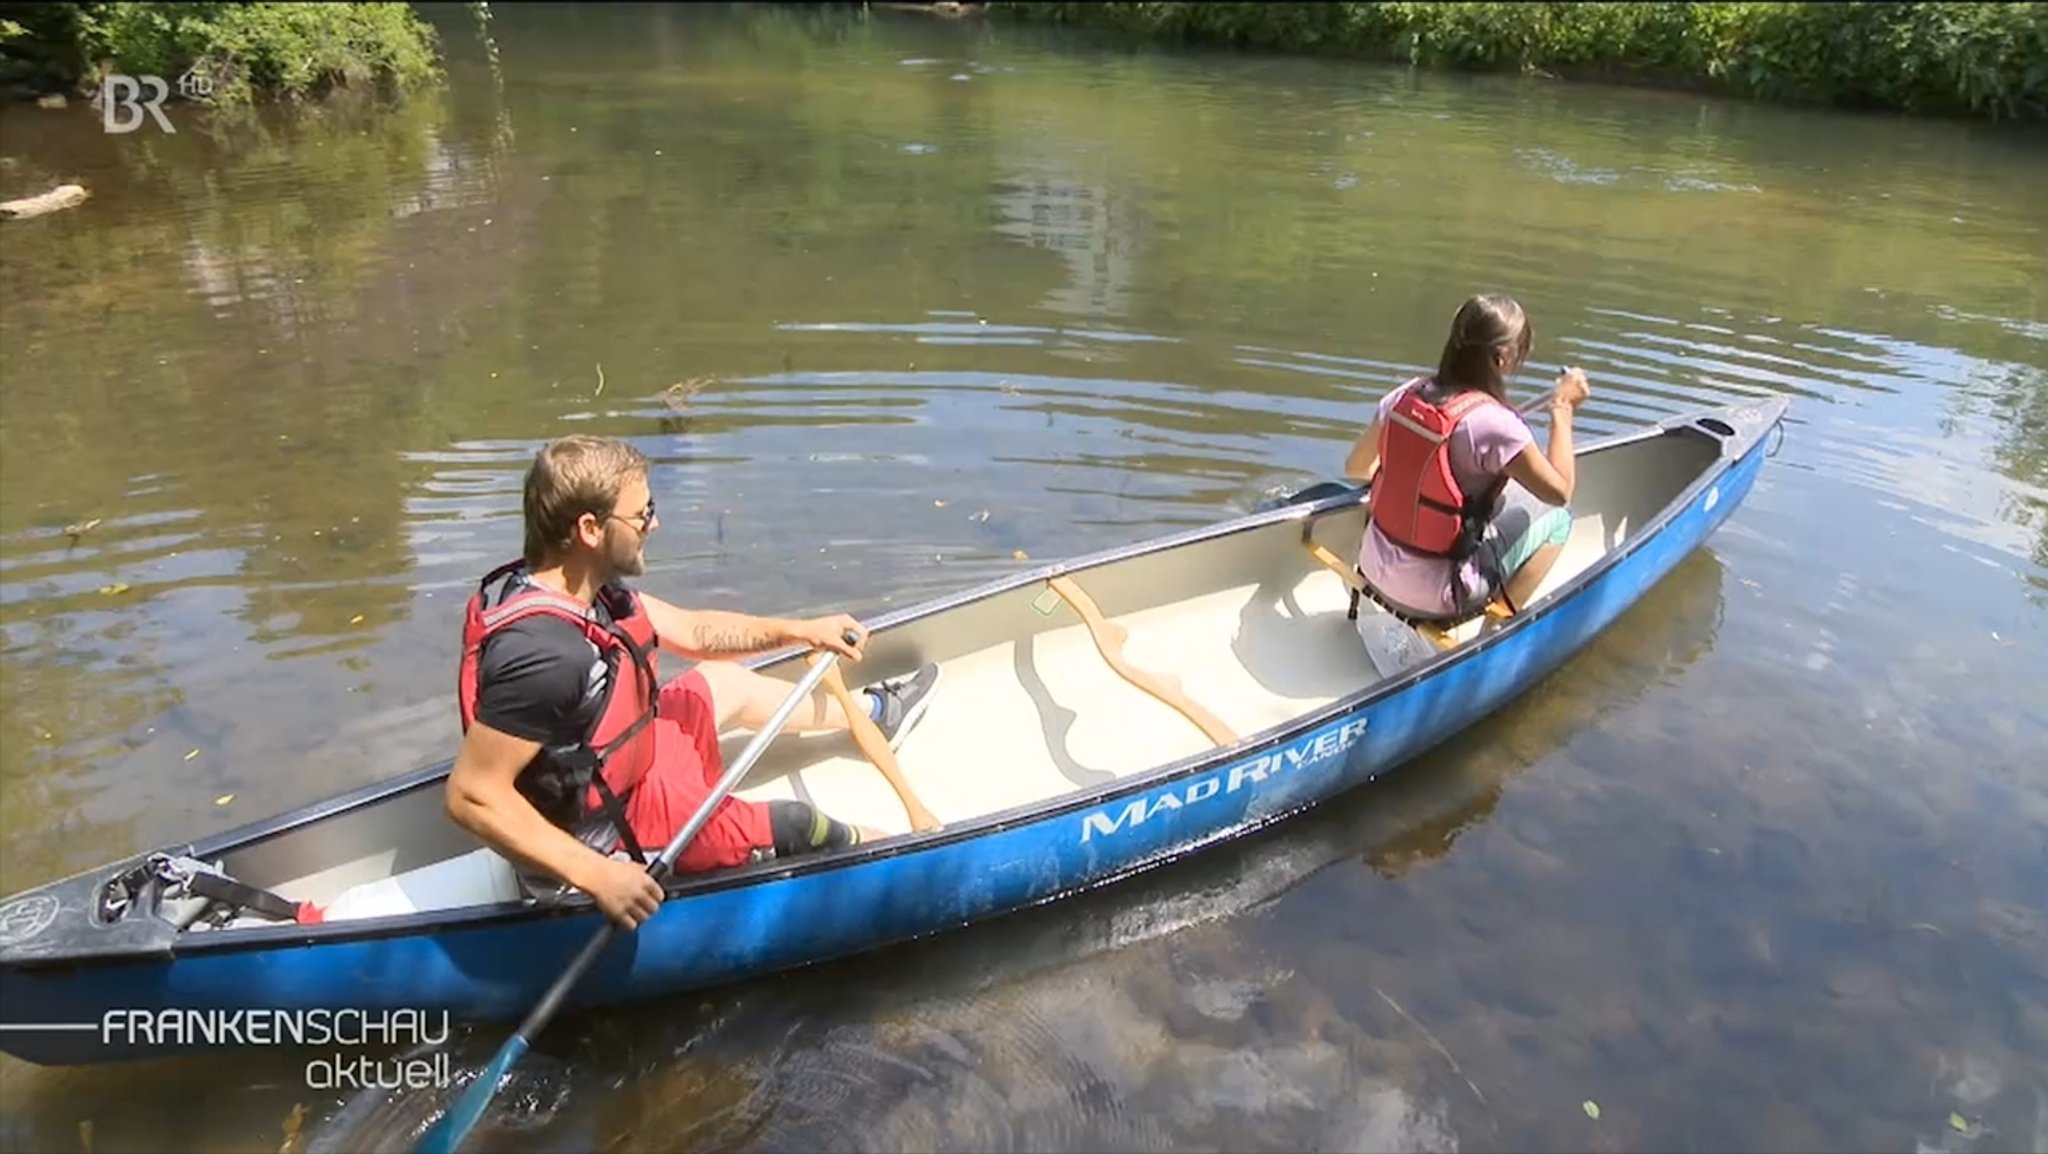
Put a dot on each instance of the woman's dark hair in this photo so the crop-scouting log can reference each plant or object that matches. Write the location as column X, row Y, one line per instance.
column 1484, row 325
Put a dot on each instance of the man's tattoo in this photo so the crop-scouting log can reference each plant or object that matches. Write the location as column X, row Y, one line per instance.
column 739, row 637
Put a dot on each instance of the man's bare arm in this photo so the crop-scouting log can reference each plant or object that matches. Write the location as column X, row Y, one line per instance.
column 701, row 634
column 482, row 799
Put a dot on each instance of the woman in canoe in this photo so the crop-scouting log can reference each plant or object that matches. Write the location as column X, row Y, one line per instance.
column 1447, row 533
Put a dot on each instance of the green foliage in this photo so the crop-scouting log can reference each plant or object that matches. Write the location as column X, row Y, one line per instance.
column 276, row 49
column 1943, row 58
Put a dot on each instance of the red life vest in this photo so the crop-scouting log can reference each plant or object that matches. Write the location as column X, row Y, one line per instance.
column 565, row 783
column 1415, row 499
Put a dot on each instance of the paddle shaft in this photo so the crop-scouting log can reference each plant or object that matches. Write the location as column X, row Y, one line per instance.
column 446, row 1135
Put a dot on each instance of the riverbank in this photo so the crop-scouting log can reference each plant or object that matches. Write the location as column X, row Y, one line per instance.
column 1952, row 59
column 227, row 53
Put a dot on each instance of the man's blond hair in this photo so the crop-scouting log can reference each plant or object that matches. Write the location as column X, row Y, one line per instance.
column 572, row 476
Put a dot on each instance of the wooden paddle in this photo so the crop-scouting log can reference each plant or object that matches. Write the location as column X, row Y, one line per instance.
column 446, row 1135
column 869, row 737
column 1109, row 640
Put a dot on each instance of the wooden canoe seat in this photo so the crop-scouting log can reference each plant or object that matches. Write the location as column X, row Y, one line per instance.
column 1109, row 641
column 1436, row 633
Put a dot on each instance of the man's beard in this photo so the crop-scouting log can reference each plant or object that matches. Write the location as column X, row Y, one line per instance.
column 622, row 560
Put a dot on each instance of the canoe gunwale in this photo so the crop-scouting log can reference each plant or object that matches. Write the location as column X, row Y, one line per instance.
column 1757, row 420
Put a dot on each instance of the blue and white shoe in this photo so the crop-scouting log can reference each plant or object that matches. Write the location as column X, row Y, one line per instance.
column 897, row 705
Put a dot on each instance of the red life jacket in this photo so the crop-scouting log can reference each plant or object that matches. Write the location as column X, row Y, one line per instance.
column 564, row 783
column 1415, row 499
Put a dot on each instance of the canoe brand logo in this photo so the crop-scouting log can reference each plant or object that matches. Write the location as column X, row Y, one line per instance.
column 1221, row 783
column 122, row 104
column 22, row 920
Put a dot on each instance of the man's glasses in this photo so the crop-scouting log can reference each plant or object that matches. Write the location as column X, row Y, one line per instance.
column 642, row 521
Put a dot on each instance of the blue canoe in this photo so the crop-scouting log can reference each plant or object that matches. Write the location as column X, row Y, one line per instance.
column 1052, row 768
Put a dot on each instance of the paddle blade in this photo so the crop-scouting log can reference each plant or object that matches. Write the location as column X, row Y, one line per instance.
column 391, row 1116
column 1272, row 490
column 445, row 1137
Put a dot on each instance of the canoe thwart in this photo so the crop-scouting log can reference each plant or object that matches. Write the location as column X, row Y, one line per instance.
column 1109, row 641
column 876, row 747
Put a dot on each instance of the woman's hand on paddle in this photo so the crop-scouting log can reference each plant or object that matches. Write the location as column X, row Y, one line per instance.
column 626, row 892
column 829, row 633
column 1572, row 388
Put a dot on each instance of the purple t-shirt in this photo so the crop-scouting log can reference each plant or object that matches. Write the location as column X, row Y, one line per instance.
column 1481, row 446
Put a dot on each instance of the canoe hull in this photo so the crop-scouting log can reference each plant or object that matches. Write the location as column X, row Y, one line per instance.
column 496, row 968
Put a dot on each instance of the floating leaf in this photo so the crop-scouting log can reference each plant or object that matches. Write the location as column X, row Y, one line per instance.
column 191, row 755
column 1592, row 1109
column 1958, row 1123
column 223, row 799
column 356, row 620
column 116, row 588
column 938, row 504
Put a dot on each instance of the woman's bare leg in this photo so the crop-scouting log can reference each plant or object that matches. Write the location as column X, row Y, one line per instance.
column 1523, row 584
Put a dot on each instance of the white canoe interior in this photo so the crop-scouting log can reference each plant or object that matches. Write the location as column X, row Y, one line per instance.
column 1251, row 626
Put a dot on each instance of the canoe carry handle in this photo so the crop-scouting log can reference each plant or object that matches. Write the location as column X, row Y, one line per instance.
column 876, row 747
column 1109, row 640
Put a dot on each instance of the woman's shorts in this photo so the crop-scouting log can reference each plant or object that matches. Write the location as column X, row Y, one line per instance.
column 1524, row 525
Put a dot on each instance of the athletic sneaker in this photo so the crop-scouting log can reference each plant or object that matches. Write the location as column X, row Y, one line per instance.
column 899, row 704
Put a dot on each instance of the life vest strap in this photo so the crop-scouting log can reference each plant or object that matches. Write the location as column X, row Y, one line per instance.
column 525, row 604
column 615, row 809
column 1363, row 587
column 1416, row 427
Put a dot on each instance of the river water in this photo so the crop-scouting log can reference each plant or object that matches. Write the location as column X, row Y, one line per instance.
column 890, row 299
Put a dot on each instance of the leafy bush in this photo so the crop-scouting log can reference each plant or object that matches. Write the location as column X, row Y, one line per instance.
column 243, row 50
column 1944, row 58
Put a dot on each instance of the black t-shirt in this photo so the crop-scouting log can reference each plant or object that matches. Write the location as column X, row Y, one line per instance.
column 540, row 678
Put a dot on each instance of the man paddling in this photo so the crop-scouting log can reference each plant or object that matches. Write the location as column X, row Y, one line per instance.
column 575, row 760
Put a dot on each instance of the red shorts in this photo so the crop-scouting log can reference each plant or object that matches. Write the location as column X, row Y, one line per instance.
column 686, row 768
